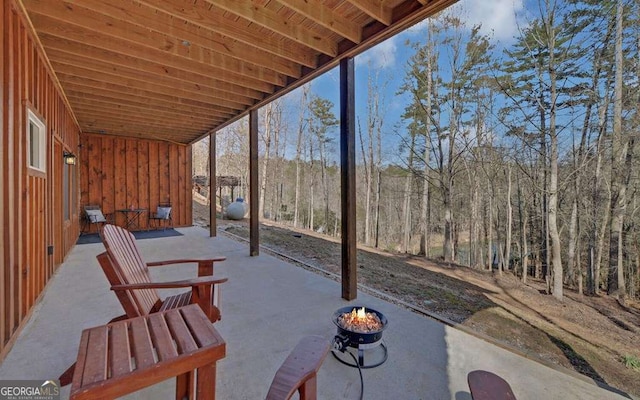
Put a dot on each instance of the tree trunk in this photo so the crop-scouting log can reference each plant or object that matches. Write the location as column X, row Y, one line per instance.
column 616, row 284
column 554, row 235
column 303, row 106
column 507, row 251
column 490, row 225
column 524, row 245
column 268, row 110
column 406, row 208
column 377, row 219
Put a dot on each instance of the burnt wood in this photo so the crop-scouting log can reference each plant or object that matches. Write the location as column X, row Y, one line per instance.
column 486, row 385
column 126, row 356
column 298, row 371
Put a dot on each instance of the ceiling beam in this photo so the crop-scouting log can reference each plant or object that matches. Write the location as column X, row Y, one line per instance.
column 97, row 121
column 259, row 80
column 142, row 111
column 116, row 91
column 101, row 24
column 200, row 14
column 263, row 16
column 114, row 116
column 75, row 50
column 134, row 102
column 203, row 96
column 96, row 67
column 326, row 17
column 375, row 9
column 146, row 18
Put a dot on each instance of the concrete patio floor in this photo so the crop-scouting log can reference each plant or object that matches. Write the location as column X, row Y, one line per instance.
column 267, row 306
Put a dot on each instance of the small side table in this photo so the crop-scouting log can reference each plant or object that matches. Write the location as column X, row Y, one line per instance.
column 125, row 356
column 132, row 217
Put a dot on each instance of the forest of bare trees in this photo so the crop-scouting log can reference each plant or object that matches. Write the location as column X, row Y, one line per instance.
column 520, row 158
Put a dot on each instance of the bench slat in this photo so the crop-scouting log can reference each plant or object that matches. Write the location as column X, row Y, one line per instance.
column 95, row 368
column 161, row 337
column 180, row 333
column 120, row 357
column 202, row 330
column 141, row 343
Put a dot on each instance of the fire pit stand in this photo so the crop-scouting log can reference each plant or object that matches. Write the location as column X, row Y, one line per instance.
column 361, row 342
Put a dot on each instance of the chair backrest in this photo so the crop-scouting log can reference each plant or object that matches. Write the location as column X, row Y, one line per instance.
column 123, row 264
column 94, row 214
column 164, row 211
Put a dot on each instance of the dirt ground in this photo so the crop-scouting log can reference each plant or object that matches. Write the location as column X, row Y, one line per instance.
column 590, row 335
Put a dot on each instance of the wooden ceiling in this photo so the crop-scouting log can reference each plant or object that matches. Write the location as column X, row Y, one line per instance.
column 177, row 70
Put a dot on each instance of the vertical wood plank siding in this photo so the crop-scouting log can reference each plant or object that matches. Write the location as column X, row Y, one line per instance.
column 120, row 172
column 31, row 214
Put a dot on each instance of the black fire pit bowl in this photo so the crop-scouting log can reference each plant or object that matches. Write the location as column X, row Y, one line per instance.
column 357, row 338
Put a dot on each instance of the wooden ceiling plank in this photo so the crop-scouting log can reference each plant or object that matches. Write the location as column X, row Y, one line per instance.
column 97, row 120
column 120, row 131
column 79, row 97
column 200, row 15
column 324, row 16
column 105, row 105
column 74, row 33
column 81, row 52
column 179, row 126
column 184, row 126
column 145, row 17
column 267, row 18
column 375, row 9
column 86, row 87
column 125, row 134
column 106, row 29
column 151, row 87
column 98, row 67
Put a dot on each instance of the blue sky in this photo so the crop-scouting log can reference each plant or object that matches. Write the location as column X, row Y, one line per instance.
column 500, row 19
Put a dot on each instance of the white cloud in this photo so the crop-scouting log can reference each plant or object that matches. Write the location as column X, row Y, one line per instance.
column 380, row 56
column 499, row 18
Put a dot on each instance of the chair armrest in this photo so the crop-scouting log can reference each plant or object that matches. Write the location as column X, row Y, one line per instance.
column 185, row 261
column 205, row 266
column 195, row 282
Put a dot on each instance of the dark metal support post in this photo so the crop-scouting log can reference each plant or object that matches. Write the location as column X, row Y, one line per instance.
column 213, row 223
column 254, row 190
column 348, row 179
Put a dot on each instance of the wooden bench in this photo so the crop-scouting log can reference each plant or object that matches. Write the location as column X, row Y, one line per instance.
column 485, row 385
column 125, row 356
column 298, row 372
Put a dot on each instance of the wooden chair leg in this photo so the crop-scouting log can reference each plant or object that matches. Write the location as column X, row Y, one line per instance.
column 206, row 385
column 184, row 386
column 309, row 389
column 67, row 376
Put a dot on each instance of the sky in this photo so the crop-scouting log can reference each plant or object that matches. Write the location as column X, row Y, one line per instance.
column 500, row 19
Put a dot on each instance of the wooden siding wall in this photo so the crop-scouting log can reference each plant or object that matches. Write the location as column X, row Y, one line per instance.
column 30, row 203
column 118, row 172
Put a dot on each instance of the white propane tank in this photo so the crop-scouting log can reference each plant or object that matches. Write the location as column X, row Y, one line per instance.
column 237, row 210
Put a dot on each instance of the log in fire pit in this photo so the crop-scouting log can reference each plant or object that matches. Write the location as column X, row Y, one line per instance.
column 359, row 328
